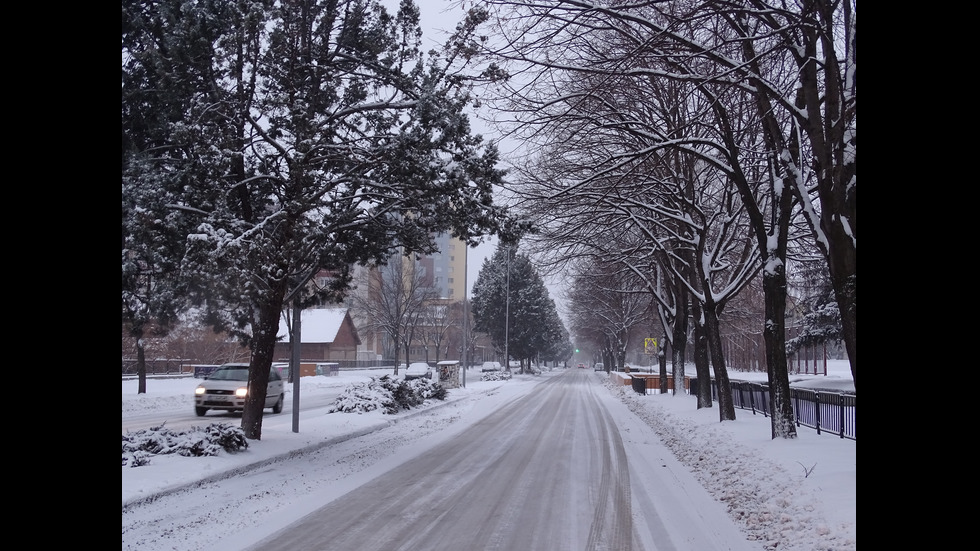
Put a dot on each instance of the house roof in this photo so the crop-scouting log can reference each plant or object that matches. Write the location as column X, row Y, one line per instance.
column 317, row 325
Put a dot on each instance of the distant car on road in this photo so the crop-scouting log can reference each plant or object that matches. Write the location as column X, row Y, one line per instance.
column 598, row 367
column 581, row 366
column 226, row 389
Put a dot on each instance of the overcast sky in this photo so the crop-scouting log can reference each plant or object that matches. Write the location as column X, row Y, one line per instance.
column 439, row 19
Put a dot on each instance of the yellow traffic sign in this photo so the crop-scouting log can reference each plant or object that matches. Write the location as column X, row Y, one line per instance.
column 649, row 346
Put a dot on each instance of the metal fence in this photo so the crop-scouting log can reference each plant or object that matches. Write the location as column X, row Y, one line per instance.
column 159, row 366
column 172, row 366
column 830, row 412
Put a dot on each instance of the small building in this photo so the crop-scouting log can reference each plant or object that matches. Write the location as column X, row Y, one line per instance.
column 448, row 371
column 326, row 334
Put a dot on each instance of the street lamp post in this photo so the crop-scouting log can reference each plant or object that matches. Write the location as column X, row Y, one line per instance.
column 507, row 317
column 294, row 360
column 466, row 311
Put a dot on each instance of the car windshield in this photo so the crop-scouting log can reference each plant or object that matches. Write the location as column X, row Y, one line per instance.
column 230, row 374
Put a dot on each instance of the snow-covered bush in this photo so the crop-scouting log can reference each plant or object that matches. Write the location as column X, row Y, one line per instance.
column 138, row 447
column 388, row 395
column 364, row 397
column 425, row 389
column 495, row 376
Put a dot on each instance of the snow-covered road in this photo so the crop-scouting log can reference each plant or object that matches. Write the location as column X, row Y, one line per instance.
column 546, row 471
column 561, row 461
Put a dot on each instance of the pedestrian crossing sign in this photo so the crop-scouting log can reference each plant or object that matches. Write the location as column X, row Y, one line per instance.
column 649, row 346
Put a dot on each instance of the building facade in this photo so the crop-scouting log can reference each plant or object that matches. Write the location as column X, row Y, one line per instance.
column 436, row 328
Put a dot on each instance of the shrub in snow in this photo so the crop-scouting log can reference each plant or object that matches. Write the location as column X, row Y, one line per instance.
column 388, row 395
column 139, row 446
column 136, row 459
column 403, row 394
column 495, row 376
column 229, row 438
column 364, row 397
column 424, row 389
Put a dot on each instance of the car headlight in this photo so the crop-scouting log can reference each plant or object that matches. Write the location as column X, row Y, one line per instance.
column 199, row 390
column 241, row 392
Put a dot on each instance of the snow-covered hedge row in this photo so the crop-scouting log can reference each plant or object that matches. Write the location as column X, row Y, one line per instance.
column 495, row 376
column 138, row 447
column 388, row 395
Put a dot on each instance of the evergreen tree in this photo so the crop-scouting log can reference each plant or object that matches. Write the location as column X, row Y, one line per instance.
column 511, row 303
column 159, row 84
column 288, row 138
column 489, row 299
column 820, row 322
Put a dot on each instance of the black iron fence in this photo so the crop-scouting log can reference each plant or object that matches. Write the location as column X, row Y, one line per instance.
column 830, row 412
column 159, row 366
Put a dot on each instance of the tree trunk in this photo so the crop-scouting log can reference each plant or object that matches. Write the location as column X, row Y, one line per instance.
column 662, row 360
column 834, row 146
column 726, row 404
column 396, row 348
column 263, row 348
column 845, row 288
column 621, row 350
column 141, row 363
column 679, row 343
column 701, row 366
column 774, row 334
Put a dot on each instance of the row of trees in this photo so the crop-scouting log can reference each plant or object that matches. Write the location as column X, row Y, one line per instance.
column 679, row 150
column 684, row 148
column 606, row 314
column 264, row 141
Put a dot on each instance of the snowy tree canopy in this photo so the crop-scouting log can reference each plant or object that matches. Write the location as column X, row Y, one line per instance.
column 288, row 139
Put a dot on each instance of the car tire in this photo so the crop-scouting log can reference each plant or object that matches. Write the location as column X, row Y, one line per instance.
column 200, row 411
column 277, row 407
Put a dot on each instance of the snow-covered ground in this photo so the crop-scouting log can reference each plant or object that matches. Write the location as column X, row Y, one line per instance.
column 786, row 494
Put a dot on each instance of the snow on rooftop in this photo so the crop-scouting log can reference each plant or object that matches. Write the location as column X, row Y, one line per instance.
column 317, row 325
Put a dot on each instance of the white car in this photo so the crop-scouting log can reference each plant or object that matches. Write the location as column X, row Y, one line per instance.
column 227, row 387
column 418, row 370
column 491, row 366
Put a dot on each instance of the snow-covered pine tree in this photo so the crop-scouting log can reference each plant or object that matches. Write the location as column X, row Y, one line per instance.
column 295, row 137
column 527, row 323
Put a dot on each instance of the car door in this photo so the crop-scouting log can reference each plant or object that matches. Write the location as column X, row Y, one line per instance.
column 274, row 388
